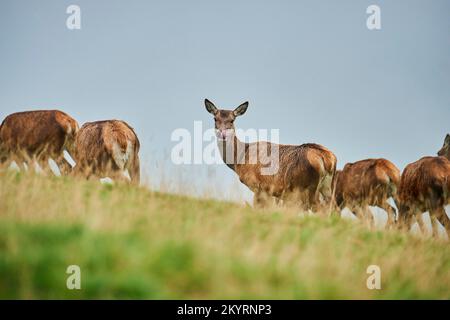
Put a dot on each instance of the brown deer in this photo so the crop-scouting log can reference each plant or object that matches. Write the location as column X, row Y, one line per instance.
column 302, row 173
column 425, row 186
column 369, row 182
column 106, row 149
column 37, row 135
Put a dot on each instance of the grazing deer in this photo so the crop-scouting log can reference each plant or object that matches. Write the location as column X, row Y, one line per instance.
column 302, row 173
column 106, row 149
column 369, row 182
column 38, row 135
column 425, row 186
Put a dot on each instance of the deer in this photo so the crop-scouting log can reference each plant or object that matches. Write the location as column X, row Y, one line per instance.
column 37, row 135
column 425, row 186
column 299, row 174
column 369, row 182
column 107, row 148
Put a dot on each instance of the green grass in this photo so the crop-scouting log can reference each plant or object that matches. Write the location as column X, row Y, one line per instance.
column 133, row 243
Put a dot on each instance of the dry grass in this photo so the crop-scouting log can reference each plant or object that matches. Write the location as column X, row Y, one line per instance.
column 134, row 243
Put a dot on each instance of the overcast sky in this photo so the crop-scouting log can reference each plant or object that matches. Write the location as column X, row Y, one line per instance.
column 309, row 68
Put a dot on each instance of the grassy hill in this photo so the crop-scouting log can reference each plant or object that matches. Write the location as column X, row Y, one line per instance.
column 133, row 243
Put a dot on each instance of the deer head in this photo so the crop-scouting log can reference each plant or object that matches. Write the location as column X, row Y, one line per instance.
column 224, row 119
column 445, row 150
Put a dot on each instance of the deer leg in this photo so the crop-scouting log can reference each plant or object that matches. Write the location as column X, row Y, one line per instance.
column 405, row 218
column 5, row 161
column 14, row 157
column 435, row 226
column 257, row 200
column 135, row 171
column 313, row 199
column 390, row 214
column 82, row 171
column 64, row 166
column 3, row 158
column 116, row 175
column 278, row 202
column 325, row 189
column 28, row 159
column 260, row 200
column 358, row 211
column 442, row 217
column 421, row 224
column 43, row 164
column 406, row 222
column 292, row 199
column 369, row 217
column 19, row 162
column 77, row 170
column 363, row 213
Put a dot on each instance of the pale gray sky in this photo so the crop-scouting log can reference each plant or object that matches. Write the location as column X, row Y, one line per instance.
column 309, row 68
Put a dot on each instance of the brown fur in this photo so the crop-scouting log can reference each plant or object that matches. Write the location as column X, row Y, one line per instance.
column 96, row 145
column 369, row 182
column 39, row 135
column 305, row 171
column 425, row 186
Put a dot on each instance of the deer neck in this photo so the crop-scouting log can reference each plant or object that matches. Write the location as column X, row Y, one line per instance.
column 232, row 151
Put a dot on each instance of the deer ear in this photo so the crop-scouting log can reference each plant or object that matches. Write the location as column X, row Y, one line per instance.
column 210, row 107
column 239, row 111
column 447, row 139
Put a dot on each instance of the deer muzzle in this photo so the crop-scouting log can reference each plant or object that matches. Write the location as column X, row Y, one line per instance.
column 224, row 134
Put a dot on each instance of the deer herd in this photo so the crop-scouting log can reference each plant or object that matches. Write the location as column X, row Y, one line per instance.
column 101, row 148
column 306, row 176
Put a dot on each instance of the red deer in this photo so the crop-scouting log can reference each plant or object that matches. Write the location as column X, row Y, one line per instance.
column 425, row 186
column 106, row 149
column 303, row 172
column 38, row 135
column 369, row 182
